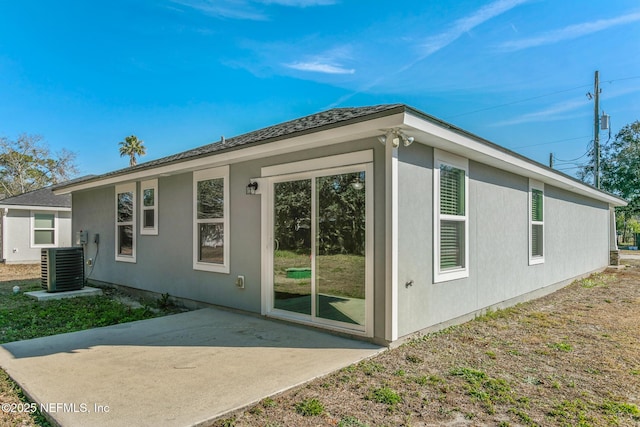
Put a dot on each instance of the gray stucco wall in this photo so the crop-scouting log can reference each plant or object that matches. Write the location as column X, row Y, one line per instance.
column 17, row 238
column 165, row 263
column 576, row 233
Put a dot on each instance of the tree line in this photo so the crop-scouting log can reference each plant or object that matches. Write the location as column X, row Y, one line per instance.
column 27, row 163
column 620, row 175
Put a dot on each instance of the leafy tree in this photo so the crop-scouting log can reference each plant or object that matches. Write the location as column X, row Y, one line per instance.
column 27, row 164
column 620, row 171
column 340, row 215
column 132, row 147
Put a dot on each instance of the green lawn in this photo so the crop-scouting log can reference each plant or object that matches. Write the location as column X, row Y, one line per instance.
column 339, row 275
column 22, row 317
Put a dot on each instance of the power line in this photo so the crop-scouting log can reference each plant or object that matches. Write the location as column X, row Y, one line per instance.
column 570, row 168
column 552, row 142
column 624, row 78
column 577, row 158
column 536, row 97
column 517, row 102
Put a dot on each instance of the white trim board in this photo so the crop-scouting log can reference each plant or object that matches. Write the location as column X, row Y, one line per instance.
column 36, row 208
column 267, row 223
column 353, row 158
column 444, row 158
column 440, row 137
column 391, row 242
column 130, row 187
column 203, row 175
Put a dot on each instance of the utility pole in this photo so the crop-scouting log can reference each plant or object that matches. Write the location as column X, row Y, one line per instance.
column 596, row 127
column 551, row 160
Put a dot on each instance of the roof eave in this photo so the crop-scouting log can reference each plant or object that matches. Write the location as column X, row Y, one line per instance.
column 445, row 136
column 360, row 127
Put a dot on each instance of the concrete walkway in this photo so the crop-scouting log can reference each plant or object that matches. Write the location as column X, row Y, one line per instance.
column 629, row 256
column 178, row 370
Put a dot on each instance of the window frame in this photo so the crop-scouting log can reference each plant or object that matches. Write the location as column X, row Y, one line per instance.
column 130, row 187
column 535, row 186
column 33, row 229
column 221, row 172
column 442, row 158
column 149, row 185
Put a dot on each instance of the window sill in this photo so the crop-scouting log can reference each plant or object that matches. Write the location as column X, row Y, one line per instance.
column 449, row 275
column 212, row 268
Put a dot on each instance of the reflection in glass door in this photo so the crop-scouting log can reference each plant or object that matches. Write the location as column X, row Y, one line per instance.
column 319, row 231
column 292, row 244
column 340, row 247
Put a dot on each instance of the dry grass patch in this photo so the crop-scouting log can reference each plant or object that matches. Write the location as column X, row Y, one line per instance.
column 569, row 359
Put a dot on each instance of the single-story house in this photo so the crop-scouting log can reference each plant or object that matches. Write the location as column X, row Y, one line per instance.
column 32, row 221
column 374, row 221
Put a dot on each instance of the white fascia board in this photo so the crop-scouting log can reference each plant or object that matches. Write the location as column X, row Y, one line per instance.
column 335, row 135
column 391, row 242
column 36, row 208
column 438, row 136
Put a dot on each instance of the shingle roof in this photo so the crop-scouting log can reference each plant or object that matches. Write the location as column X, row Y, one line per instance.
column 41, row 197
column 312, row 123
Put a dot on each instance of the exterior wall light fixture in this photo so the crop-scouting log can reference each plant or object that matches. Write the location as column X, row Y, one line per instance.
column 252, row 187
column 395, row 136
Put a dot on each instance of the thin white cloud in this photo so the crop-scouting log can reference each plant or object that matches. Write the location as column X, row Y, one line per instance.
column 320, row 67
column 300, row 3
column 230, row 9
column 245, row 9
column 468, row 23
column 442, row 40
column 328, row 62
column 561, row 111
column 552, row 113
column 570, row 32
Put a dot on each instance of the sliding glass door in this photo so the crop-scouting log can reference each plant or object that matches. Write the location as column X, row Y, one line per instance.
column 292, row 242
column 320, row 247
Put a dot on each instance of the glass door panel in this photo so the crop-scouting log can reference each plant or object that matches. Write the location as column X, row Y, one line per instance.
column 340, row 247
column 292, row 246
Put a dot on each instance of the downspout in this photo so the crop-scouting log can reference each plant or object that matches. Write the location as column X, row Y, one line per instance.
column 3, row 230
column 391, row 239
column 614, row 254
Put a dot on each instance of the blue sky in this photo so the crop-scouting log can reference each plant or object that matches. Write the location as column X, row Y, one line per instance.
column 181, row 73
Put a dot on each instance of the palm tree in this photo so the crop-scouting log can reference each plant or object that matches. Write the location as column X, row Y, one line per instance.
column 132, row 147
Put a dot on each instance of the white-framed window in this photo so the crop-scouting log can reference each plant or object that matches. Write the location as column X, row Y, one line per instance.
column 44, row 229
column 126, row 222
column 211, row 220
column 536, row 222
column 451, row 217
column 149, row 207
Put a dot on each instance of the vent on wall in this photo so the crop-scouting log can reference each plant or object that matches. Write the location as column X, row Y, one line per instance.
column 62, row 269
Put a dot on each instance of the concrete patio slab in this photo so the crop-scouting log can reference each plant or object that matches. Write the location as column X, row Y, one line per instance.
column 179, row 370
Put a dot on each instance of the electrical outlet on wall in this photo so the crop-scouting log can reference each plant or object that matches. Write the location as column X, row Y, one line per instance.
column 240, row 282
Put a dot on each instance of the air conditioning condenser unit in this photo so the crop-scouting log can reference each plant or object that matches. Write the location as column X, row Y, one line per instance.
column 62, row 269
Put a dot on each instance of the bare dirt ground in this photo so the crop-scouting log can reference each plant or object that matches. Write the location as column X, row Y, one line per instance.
column 569, row 359
column 19, row 272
